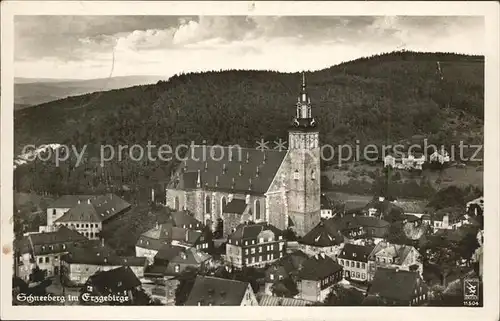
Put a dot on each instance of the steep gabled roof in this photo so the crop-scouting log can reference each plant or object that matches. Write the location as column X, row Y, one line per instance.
column 83, row 212
column 321, row 236
column 113, row 281
column 318, row 267
column 53, row 241
column 68, row 201
column 395, row 284
column 208, row 290
column 183, row 219
column 247, row 171
column 356, row 252
column 95, row 209
column 251, row 231
column 100, row 255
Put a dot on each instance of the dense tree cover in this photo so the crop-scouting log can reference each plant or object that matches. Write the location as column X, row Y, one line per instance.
column 379, row 99
column 444, row 255
column 454, row 196
column 344, row 296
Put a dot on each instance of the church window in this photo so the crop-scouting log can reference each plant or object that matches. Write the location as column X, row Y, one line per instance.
column 296, row 175
column 176, row 203
column 257, row 210
column 313, row 175
column 208, row 205
column 222, row 204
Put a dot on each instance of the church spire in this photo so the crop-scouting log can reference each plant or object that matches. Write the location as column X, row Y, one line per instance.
column 303, row 117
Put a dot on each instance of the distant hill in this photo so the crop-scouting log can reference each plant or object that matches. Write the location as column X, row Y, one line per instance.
column 380, row 99
column 35, row 91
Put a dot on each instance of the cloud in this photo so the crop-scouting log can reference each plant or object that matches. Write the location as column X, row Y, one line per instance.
column 57, row 46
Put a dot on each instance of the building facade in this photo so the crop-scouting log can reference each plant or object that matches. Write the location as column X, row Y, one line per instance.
column 255, row 245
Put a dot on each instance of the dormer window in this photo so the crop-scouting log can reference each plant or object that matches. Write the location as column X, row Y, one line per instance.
column 296, row 175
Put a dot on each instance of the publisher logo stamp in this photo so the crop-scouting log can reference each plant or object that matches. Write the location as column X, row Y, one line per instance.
column 471, row 291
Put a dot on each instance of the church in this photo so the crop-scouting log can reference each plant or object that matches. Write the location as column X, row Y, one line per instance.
column 228, row 185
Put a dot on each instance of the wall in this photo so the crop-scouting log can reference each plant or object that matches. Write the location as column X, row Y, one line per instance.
column 90, row 230
column 304, row 191
column 309, row 290
column 331, row 251
column 249, row 298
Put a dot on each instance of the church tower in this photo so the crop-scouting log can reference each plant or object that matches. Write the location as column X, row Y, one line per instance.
column 304, row 161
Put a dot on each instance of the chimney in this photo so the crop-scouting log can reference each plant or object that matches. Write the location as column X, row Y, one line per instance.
column 102, row 242
column 216, row 181
column 264, row 159
column 224, row 170
column 156, row 225
column 250, row 183
column 248, row 157
column 257, row 172
column 233, row 184
column 206, row 166
column 184, row 168
column 241, row 170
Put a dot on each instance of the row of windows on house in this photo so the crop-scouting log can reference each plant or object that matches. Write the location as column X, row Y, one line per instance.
column 202, row 246
column 77, row 225
column 223, row 202
column 268, row 248
column 41, row 259
column 327, row 280
column 252, row 242
column 354, row 274
column 352, row 264
column 256, row 259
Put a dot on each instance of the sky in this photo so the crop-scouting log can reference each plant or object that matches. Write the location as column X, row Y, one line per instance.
column 86, row 47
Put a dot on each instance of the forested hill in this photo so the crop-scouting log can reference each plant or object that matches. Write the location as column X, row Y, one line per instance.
column 377, row 99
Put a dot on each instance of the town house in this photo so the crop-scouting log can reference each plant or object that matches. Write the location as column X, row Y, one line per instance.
column 173, row 260
column 84, row 213
column 82, row 262
column 323, row 238
column 255, row 245
column 317, row 276
column 119, row 282
column 395, row 256
column 354, row 259
column 44, row 250
column 397, row 287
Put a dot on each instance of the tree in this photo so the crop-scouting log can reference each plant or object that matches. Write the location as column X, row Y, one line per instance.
column 344, row 296
column 441, row 255
column 290, row 235
column 285, row 288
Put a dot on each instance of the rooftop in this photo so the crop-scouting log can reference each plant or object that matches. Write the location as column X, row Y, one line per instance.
column 356, row 252
column 318, row 267
column 113, row 281
column 95, row 209
column 251, row 231
column 208, row 290
column 395, row 284
column 229, row 169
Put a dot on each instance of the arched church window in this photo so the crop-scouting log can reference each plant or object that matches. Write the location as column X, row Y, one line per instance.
column 208, row 205
column 257, row 210
column 223, row 203
column 313, row 174
column 296, row 175
column 176, row 203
